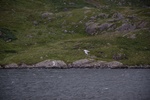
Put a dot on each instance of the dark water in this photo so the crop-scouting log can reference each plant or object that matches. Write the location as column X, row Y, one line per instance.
column 74, row 84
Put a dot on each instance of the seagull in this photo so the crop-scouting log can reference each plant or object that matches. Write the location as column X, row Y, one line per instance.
column 54, row 64
column 86, row 52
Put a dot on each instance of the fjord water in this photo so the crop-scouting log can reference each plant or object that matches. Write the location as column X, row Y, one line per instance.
column 74, row 84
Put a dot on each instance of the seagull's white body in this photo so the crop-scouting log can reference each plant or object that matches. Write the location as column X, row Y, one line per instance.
column 86, row 52
column 54, row 64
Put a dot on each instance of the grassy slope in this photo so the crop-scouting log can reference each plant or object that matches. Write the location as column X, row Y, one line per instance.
column 48, row 40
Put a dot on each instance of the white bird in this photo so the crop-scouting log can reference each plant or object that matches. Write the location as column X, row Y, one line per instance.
column 54, row 64
column 86, row 52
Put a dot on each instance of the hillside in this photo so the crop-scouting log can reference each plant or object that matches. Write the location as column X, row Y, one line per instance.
column 35, row 30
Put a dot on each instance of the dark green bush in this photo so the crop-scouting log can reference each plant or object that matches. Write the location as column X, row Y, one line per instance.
column 7, row 35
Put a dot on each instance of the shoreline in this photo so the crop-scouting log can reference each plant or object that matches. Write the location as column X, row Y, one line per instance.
column 79, row 64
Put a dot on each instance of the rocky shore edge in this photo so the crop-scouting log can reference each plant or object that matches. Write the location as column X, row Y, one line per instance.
column 82, row 63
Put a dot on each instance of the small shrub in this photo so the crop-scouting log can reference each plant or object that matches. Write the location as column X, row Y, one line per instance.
column 7, row 35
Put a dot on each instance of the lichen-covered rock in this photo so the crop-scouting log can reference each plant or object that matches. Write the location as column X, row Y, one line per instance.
column 52, row 64
column 13, row 65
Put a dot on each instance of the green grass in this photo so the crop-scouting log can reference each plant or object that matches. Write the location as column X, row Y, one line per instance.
column 64, row 37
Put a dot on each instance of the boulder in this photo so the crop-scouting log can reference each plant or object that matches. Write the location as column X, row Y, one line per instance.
column 82, row 63
column 118, row 16
column 35, row 23
column 91, row 28
column 126, row 27
column 97, row 64
column 103, row 15
column 87, row 8
column 26, row 66
column 91, row 63
column 105, row 26
column 114, row 64
column 112, row 20
column 46, row 15
column 13, row 65
column 141, row 24
column 52, row 64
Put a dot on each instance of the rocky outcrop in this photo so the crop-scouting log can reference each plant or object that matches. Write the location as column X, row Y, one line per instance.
column 52, row 64
column 114, row 22
column 141, row 24
column 91, row 63
column 105, row 26
column 91, row 28
column 103, row 15
column 114, row 64
column 126, row 27
column 117, row 16
column 81, row 63
column 13, row 65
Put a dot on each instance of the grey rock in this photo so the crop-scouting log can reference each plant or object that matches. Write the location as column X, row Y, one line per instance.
column 91, row 63
column 114, row 64
column 98, row 64
column 87, row 8
column 126, row 27
column 112, row 20
column 52, row 64
column 105, row 26
column 35, row 23
column 82, row 62
column 46, row 15
column 132, row 17
column 141, row 24
column 103, row 15
column 27, row 66
column 93, row 17
column 13, row 65
column 91, row 28
column 118, row 16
